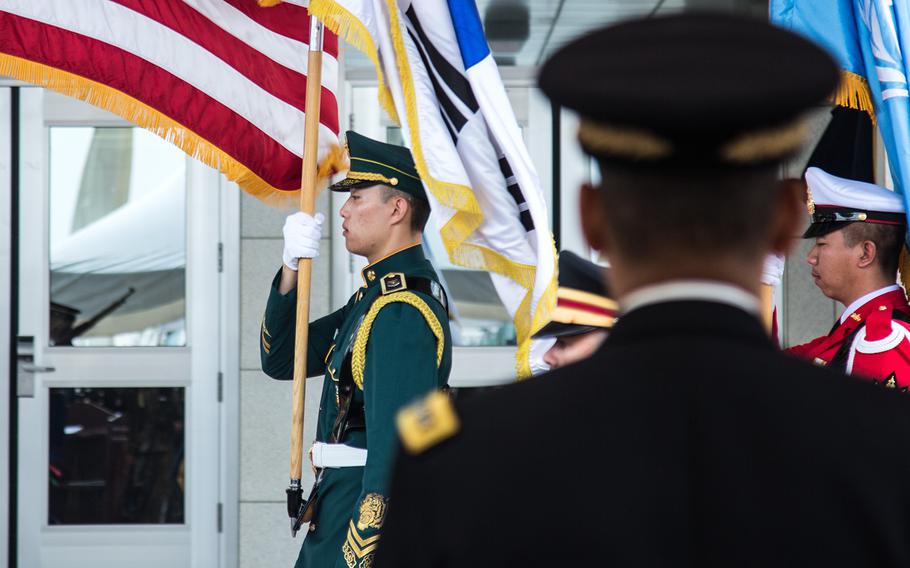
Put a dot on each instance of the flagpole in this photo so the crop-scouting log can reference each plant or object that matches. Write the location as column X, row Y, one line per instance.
column 304, row 267
column 767, row 306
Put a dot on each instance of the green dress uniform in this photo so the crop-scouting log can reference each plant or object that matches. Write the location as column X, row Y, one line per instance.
column 387, row 346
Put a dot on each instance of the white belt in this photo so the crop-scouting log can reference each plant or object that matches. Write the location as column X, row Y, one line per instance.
column 337, row 455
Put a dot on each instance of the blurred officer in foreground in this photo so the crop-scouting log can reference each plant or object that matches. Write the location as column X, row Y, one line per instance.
column 388, row 345
column 584, row 312
column 717, row 448
column 859, row 230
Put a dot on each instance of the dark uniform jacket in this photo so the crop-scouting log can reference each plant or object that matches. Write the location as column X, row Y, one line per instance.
column 688, row 439
column 401, row 348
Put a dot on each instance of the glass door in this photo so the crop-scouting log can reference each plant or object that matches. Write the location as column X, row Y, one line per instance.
column 118, row 344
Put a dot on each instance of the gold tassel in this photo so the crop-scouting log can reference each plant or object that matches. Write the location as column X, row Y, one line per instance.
column 853, row 92
column 349, row 28
column 332, row 163
column 903, row 271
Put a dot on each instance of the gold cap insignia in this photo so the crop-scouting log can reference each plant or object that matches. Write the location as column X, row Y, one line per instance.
column 427, row 422
column 810, row 203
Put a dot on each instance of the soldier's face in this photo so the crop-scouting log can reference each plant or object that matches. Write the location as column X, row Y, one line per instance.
column 366, row 220
column 834, row 265
column 572, row 348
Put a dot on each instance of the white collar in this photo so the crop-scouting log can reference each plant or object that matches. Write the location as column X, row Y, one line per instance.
column 857, row 304
column 707, row 290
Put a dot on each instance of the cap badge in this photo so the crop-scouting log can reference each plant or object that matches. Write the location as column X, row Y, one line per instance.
column 810, row 203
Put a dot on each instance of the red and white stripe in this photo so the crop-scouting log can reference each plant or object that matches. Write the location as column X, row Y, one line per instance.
column 229, row 71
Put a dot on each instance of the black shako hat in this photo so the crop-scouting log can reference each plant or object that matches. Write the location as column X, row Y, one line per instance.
column 583, row 300
column 692, row 90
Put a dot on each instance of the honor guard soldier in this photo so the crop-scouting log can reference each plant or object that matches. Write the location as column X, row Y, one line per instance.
column 387, row 346
column 688, row 438
column 859, row 230
column 584, row 312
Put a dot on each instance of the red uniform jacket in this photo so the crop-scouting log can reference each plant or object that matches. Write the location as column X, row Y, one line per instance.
column 880, row 351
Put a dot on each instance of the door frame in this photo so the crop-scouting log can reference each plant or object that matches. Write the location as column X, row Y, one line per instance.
column 7, row 288
column 203, row 358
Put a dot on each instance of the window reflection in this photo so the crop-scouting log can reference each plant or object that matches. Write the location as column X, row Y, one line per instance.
column 116, row 456
column 117, row 238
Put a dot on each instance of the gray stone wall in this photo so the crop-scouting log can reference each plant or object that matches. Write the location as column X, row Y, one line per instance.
column 805, row 312
column 265, row 404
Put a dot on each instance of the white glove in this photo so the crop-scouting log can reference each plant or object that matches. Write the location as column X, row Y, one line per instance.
column 301, row 237
column 773, row 270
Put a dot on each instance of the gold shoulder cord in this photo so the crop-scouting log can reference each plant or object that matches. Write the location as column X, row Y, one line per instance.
column 358, row 357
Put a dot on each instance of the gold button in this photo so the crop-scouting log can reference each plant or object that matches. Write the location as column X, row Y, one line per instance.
column 862, row 216
column 393, row 181
column 882, row 308
column 371, row 275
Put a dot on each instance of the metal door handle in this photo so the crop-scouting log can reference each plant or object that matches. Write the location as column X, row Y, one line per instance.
column 29, row 368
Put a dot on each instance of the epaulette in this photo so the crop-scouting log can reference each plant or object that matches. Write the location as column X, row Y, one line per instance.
column 393, row 282
column 427, row 422
column 397, row 281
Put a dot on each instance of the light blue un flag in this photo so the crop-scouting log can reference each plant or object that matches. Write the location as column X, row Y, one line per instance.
column 870, row 39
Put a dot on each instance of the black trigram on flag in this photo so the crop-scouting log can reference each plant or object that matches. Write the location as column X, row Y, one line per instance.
column 457, row 104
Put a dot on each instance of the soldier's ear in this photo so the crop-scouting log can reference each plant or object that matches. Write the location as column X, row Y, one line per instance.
column 594, row 218
column 400, row 210
column 869, row 252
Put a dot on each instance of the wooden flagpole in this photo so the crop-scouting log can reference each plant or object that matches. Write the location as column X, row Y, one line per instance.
column 767, row 306
column 305, row 265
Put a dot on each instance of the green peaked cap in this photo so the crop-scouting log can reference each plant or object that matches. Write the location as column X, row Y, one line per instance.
column 374, row 162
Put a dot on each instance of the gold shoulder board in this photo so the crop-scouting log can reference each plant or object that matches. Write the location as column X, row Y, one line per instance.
column 427, row 422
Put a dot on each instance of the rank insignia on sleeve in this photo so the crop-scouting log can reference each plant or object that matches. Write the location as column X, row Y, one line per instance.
column 427, row 422
column 393, row 282
column 372, row 512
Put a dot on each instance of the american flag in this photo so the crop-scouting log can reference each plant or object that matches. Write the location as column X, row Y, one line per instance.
column 223, row 79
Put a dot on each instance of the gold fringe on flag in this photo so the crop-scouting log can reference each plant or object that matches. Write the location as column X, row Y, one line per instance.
column 140, row 114
column 348, row 27
column 903, row 271
column 853, row 92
